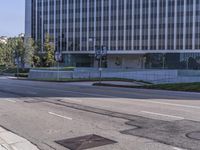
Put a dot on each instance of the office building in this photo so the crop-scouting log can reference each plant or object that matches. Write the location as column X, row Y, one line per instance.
column 136, row 33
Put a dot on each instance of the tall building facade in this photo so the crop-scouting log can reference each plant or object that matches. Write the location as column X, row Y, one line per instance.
column 136, row 33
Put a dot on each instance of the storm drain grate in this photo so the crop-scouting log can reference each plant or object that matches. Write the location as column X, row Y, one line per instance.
column 85, row 142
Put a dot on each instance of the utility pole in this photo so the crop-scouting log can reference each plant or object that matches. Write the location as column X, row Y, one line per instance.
column 16, row 57
column 58, row 58
column 163, row 61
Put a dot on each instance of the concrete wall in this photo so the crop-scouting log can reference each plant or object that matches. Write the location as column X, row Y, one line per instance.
column 179, row 79
column 154, row 76
column 189, row 73
column 44, row 74
column 146, row 75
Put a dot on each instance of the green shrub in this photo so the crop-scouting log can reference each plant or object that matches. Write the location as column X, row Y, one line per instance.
column 192, row 87
column 24, row 75
column 50, row 68
column 14, row 70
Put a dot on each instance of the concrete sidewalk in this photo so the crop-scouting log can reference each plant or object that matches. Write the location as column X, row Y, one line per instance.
column 11, row 141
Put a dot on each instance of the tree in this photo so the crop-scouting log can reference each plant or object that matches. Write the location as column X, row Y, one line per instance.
column 8, row 51
column 20, row 51
column 37, row 57
column 29, row 52
column 49, row 49
column 2, row 53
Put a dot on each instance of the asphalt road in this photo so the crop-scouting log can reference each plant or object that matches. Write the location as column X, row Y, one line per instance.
column 136, row 119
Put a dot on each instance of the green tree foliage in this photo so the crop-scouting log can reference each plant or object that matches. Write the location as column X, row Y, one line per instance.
column 2, row 54
column 6, row 53
column 37, row 57
column 13, row 49
column 48, row 55
column 44, row 54
column 29, row 52
column 20, row 51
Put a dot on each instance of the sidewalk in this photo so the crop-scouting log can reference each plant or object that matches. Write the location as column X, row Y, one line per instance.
column 11, row 141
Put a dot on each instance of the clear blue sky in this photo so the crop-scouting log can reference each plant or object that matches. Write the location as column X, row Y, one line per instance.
column 12, row 14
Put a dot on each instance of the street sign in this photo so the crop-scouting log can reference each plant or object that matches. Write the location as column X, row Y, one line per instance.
column 17, row 61
column 101, row 52
column 104, row 50
column 58, row 56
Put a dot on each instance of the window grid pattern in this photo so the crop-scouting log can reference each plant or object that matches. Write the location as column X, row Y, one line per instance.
column 129, row 25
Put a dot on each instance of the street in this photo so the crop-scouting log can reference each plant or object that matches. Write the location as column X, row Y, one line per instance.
column 45, row 113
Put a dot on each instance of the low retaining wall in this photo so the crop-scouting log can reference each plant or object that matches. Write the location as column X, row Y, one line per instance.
column 149, row 75
column 45, row 74
column 145, row 75
column 189, row 73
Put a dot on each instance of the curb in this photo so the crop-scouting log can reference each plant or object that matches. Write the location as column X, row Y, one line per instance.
column 11, row 141
column 115, row 85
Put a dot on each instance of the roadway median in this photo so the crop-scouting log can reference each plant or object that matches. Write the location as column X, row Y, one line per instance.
column 186, row 87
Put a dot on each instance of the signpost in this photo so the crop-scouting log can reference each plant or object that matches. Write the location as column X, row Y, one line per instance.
column 100, row 53
column 17, row 61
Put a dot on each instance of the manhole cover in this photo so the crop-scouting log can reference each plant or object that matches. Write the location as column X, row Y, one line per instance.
column 85, row 142
column 194, row 135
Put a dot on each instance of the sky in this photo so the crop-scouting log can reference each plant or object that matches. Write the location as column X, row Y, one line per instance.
column 12, row 17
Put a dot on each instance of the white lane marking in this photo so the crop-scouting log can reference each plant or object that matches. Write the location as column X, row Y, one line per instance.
column 128, row 101
column 171, row 104
column 8, row 100
column 154, row 102
column 164, row 115
column 176, row 148
column 73, row 100
column 12, row 101
column 54, row 114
